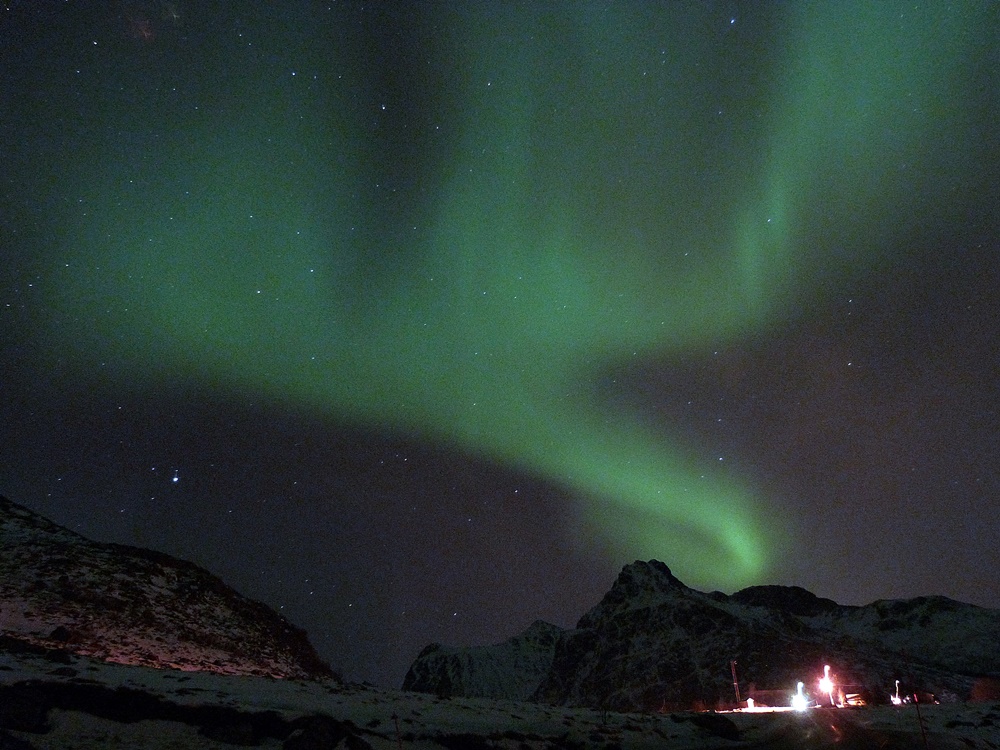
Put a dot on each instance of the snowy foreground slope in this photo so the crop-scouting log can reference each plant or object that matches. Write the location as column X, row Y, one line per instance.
column 51, row 700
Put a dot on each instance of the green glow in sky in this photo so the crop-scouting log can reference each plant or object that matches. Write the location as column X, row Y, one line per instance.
column 601, row 186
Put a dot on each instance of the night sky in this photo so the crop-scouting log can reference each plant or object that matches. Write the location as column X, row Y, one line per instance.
column 417, row 322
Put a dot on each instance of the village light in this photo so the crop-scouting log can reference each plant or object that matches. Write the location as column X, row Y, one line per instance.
column 896, row 700
column 826, row 684
column 799, row 701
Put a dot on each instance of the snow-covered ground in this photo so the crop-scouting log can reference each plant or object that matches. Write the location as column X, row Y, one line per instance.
column 394, row 719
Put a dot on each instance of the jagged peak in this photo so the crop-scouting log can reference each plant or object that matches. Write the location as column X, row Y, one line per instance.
column 643, row 579
column 639, row 584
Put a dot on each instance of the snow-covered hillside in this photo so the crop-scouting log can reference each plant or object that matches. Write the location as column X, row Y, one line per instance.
column 513, row 669
column 134, row 606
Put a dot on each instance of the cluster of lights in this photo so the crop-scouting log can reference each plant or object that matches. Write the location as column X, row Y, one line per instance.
column 800, row 701
column 896, row 700
column 827, row 687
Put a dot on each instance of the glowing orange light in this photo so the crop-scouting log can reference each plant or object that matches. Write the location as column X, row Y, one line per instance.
column 826, row 684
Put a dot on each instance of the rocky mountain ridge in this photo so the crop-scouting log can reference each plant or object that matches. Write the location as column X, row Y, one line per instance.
column 135, row 606
column 652, row 643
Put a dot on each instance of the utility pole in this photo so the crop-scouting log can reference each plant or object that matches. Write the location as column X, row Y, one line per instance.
column 736, row 684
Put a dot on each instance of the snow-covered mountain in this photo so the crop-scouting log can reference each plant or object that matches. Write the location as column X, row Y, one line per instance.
column 133, row 606
column 513, row 669
column 652, row 643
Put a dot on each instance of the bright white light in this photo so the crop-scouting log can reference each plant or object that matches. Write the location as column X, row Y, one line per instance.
column 896, row 700
column 799, row 701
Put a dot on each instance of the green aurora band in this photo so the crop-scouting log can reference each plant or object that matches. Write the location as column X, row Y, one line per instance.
column 610, row 185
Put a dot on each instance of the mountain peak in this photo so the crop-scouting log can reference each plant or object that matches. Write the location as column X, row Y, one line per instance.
column 651, row 573
column 639, row 584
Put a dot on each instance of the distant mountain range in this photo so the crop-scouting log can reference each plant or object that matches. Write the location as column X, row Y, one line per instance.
column 653, row 644
column 59, row 590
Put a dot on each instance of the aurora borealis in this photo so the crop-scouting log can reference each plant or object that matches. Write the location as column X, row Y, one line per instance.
column 488, row 234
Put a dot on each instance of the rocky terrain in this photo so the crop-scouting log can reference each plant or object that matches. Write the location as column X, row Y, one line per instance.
column 653, row 644
column 59, row 590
